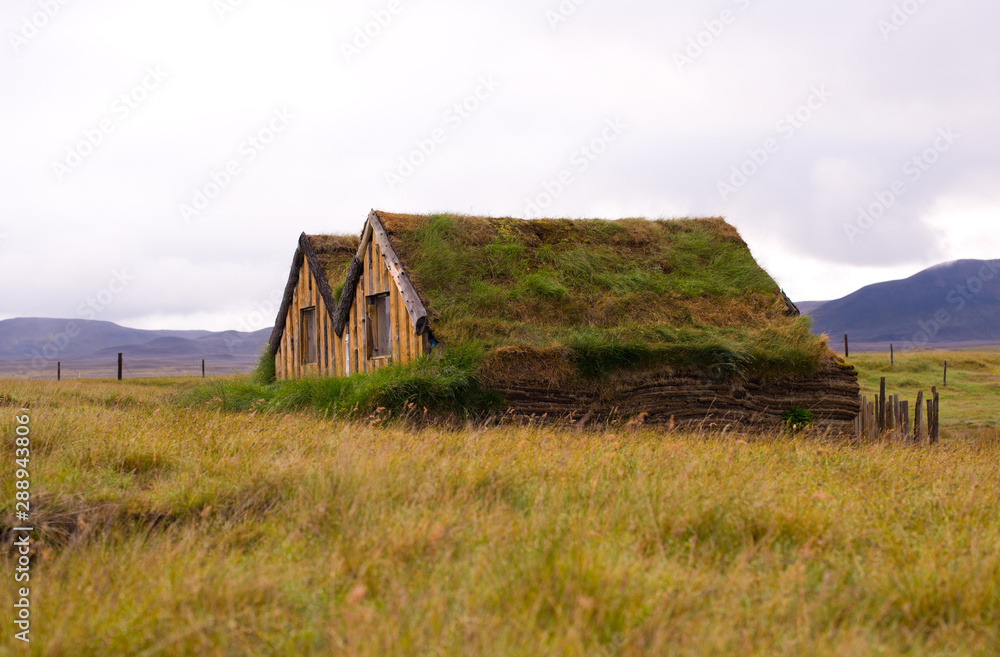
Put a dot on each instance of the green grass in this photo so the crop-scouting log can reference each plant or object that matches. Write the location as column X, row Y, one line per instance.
column 265, row 371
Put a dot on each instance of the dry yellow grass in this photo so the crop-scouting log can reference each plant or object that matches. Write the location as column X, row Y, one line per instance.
column 177, row 531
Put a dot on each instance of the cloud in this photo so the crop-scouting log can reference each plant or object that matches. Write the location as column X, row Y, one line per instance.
column 355, row 117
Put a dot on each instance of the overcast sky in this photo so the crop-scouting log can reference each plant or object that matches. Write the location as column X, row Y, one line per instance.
column 159, row 159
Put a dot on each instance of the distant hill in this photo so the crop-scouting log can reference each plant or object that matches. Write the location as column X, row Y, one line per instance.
column 33, row 346
column 948, row 305
column 806, row 307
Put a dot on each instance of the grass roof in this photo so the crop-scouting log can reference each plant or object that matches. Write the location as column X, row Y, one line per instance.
column 563, row 299
column 602, row 295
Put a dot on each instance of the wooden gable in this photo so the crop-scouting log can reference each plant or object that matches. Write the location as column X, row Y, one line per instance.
column 379, row 319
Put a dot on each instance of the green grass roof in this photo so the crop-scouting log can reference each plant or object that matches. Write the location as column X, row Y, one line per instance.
column 596, row 296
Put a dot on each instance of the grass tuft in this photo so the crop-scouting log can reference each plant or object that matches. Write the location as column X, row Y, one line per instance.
column 265, row 371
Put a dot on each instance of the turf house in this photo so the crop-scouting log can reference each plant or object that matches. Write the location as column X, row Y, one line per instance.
column 667, row 320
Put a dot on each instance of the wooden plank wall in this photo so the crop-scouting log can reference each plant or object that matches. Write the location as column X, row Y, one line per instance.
column 288, row 364
column 352, row 346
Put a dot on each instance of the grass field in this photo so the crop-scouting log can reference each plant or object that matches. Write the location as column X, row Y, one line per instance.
column 167, row 529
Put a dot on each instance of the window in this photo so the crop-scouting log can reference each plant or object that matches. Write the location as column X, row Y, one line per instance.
column 307, row 336
column 379, row 327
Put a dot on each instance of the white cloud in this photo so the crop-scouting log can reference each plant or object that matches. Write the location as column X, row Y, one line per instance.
column 968, row 226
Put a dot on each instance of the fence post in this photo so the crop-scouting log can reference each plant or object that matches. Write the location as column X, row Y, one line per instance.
column 59, row 371
column 945, row 384
column 899, row 412
column 847, row 348
column 930, row 421
column 859, row 421
column 918, row 416
column 937, row 417
column 203, row 368
column 892, row 355
column 881, row 410
column 890, row 415
column 119, row 366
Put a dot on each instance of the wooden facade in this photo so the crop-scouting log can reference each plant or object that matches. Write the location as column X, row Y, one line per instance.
column 384, row 323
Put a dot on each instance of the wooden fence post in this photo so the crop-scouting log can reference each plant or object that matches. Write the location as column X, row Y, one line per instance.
column 119, row 366
column 890, row 420
column 859, row 421
column 918, row 416
column 881, row 410
column 203, row 368
column 937, row 417
column 59, row 371
column 847, row 347
column 930, row 420
column 899, row 412
column 892, row 355
column 877, row 424
column 945, row 384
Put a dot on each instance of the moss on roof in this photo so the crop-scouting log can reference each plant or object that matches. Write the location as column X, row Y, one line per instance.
column 334, row 253
column 630, row 293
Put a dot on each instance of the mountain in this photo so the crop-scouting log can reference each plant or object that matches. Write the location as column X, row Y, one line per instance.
column 952, row 304
column 807, row 307
column 33, row 346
